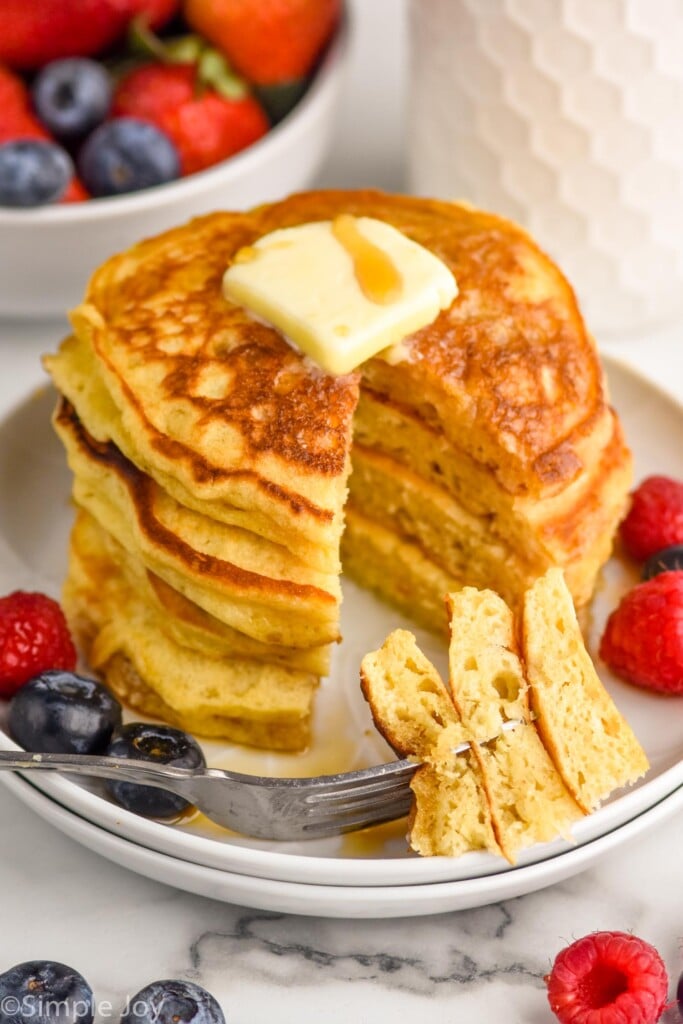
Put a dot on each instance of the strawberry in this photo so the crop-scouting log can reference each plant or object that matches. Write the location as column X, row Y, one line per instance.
column 608, row 978
column 643, row 639
column 38, row 31
column 17, row 121
column 655, row 518
column 76, row 192
column 34, row 636
column 205, row 126
column 267, row 41
column 13, row 93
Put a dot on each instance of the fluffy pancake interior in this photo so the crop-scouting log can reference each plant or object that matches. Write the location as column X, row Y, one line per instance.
column 599, row 753
column 411, row 707
column 529, row 801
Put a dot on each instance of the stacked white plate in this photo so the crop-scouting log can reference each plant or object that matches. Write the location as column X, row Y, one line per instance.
column 370, row 874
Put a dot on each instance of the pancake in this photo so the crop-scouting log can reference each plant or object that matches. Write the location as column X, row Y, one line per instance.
column 239, row 699
column 482, row 450
column 222, row 569
column 185, row 623
column 78, row 377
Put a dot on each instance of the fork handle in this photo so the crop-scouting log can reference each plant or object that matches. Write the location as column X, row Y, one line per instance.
column 121, row 768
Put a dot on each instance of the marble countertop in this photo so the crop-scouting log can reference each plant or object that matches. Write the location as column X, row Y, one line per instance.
column 121, row 931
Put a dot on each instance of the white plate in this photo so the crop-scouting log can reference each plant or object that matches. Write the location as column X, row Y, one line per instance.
column 34, row 522
column 338, row 900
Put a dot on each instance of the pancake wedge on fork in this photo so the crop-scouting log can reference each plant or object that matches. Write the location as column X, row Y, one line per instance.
column 414, row 712
column 528, row 799
column 491, row 777
column 481, row 450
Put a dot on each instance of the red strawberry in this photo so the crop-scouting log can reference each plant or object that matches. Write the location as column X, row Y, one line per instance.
column 13, row 92
column 38, row 31
column 204, row 126
column 608, row 978
column 76, row 192
column 655, row 519
column 34, row 636
column 17, row 120
column 267, row 41
column 643, row 639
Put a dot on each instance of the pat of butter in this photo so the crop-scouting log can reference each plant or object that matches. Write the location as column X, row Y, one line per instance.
column 341, row 290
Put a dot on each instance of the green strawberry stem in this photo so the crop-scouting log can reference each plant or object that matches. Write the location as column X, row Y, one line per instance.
column 213, row 70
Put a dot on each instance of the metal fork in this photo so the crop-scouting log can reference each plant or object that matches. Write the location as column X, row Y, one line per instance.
column 253, row 805
column 266, row 808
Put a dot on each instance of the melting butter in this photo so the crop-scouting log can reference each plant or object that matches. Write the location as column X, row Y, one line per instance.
column 341, row 291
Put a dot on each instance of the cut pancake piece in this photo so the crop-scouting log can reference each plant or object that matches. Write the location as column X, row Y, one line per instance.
column 408, row 699
column 591, row 743
column 529, row 801
column 412, row 709
column 236, row 698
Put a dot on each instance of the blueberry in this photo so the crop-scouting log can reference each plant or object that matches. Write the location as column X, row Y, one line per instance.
column 172, row 1002
column 125, row 155
column 71, row 97
column 664, row 561
column 163, row 745
column 61, row 713
column 45, row 992
column 33, row 172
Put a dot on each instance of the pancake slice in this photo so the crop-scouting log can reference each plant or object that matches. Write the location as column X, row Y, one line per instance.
column 413, row 710
column 529, row 801
column 591, row 743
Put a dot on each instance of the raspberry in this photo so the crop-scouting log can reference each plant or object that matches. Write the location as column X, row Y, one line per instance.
column 643, row 638
column 608, row 978
column 655, row 519
column 34, row 636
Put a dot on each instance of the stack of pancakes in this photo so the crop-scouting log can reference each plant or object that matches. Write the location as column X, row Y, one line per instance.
column 212, row 462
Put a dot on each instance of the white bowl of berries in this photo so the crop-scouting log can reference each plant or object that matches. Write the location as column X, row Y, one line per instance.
column 117, row 125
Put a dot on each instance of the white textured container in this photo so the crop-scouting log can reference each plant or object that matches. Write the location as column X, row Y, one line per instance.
column 567, row 116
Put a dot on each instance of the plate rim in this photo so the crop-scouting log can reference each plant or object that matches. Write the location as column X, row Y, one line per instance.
column 316, row 900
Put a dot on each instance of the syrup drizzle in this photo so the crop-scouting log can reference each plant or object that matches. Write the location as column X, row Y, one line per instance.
column 377, row 276
column 247, row 254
